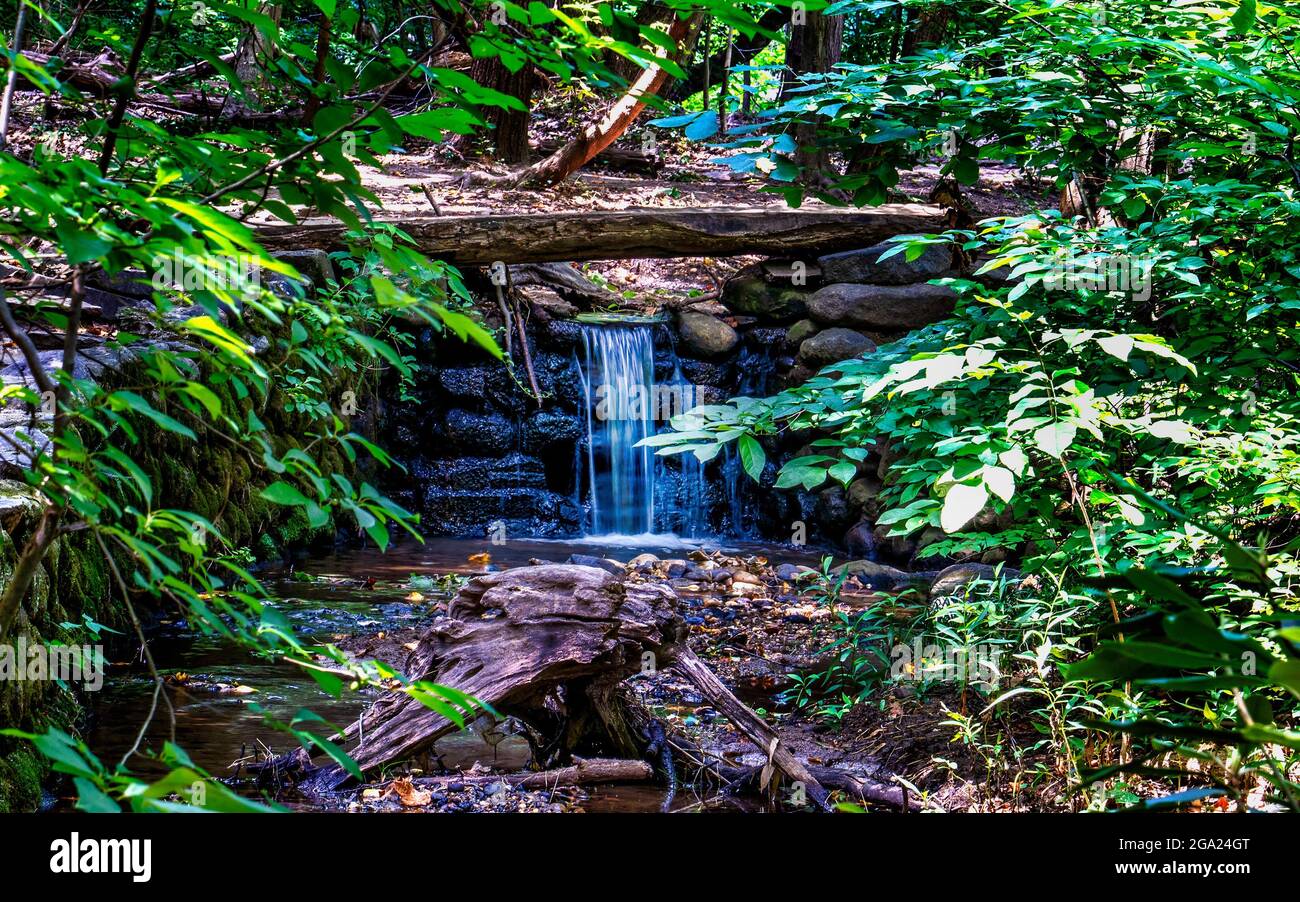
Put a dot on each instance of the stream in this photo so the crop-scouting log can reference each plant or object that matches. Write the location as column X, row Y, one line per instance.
column 359, row 591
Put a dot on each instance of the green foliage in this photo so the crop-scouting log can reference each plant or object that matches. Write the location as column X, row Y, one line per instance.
column 1152, row 335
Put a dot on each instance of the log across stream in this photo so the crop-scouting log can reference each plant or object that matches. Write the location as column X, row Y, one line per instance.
column 349, row 594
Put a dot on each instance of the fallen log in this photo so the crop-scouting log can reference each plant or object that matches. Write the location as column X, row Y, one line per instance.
column 565, row 281
column 583, row 772
column 625, row 159
column 545, row 644
column 631, row 234
column 550, row 645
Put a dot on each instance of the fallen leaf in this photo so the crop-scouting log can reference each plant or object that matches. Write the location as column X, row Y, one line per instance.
column 408, row 795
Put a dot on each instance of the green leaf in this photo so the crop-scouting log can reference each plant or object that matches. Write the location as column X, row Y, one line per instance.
column 1055, row 438
column 961, row 504
column 1244, row 18
column 283, row 493
column 752, row 456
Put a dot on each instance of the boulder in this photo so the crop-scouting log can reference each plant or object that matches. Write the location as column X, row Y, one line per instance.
column 312, row 263
column 865, row 266
column 590, row 560
column 954, row 580
column 705, row 335
column 832, row 346
column 859, row 541
column 749, row 294
column 882, row 307
column 874, row 575
column 792, row 273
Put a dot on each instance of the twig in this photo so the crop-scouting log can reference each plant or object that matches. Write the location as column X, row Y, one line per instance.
column 7, row 104
column 127, row 91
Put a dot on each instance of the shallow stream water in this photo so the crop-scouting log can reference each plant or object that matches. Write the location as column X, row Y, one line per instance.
column 216, row 688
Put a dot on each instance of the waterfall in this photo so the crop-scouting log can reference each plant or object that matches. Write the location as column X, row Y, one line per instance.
column 631, row 491
column 618, row 374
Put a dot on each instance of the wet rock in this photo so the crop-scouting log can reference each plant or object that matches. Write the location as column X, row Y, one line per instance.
column 704, row 335
column 548, row 428
column 590, row 560
column 642, row 559
column 521, row 511
column 479, row 433
column 793, row 572
column 559, row 379
column 800, row 331
column 832, row 346
column 470, row 382
column 703, row 372
column 955, row 579
column 831, row 511
column 865, row 265
column 859, row 540
column 561, row 334
column 312, row 263
column 883, row 307
column 515, row 470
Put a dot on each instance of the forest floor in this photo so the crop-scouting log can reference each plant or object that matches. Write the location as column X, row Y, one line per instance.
column 759, row 638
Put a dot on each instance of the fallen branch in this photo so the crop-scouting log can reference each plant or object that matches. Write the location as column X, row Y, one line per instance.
column 747, row 721
column 583, row 772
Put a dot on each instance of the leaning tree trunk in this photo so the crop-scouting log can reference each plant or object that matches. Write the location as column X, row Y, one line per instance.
column 595, row 138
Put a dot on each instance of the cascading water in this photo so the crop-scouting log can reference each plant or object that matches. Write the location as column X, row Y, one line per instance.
column 618, row 370
column 627, row 489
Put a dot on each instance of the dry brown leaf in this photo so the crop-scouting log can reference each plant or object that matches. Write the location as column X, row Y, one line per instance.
column 409, row 795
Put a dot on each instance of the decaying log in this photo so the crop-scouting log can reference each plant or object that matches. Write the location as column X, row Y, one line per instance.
column 551, row 645
column 95, row 75
column 625, row 159
column 632, row 234
column 565, row 281
column 530, row 642
column 856, row 788
column 583, row 772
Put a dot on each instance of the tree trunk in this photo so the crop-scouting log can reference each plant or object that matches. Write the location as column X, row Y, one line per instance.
column 510, row 139
column 928, row 30
column 252, row 58
column 595, row 138
column 816, row 46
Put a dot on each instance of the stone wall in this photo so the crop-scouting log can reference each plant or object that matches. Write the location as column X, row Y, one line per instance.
column 479, row 449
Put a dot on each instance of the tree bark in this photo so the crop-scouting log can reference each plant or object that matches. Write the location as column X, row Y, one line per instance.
column 632, row 234
column 509, row 127
column 929, row 29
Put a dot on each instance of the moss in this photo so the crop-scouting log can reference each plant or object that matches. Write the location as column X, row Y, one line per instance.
column 21, row 774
